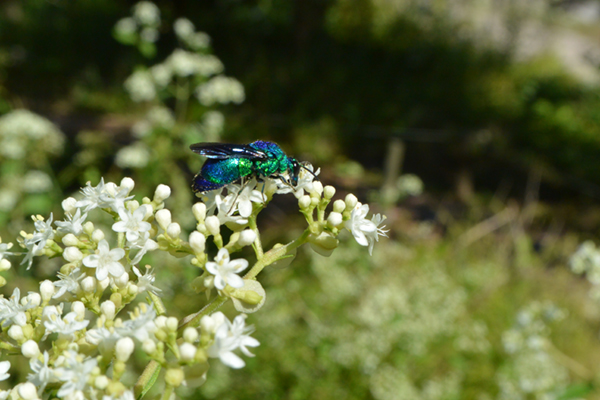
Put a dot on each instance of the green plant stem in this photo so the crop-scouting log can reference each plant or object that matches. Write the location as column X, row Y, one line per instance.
column 167, row 393
column 194, row 319
column 257, row 243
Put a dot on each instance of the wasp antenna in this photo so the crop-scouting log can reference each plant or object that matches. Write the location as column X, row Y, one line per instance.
column 312, row 173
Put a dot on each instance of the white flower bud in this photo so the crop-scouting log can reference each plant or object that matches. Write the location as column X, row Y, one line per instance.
column 199, row 211
column 46, row 290
column 149, row 211
column 27, row 391
column 209, row 324
column 317, row 187
column 304, row 202
column 334, row 219
column 160, row 321
column 32, row 299
column 101, row 382
column 339, row 206
column 197, row 242
column 128, row 183
column 103, row 284
column 174, row 230
column 97, row 236
column 16, row 332
column 162, row 193
column 124, row 348
column 247, row 237
column 190, row 334
column 149, row 346
column 122, row 280
column 70, row 240
column 68, row 205
column 187, row 351
column 351, row 201
column 4, row 265
column 328, row 192
column 212, row 224
column 30, row 349
column 88, row 227
column 172, row 324
column 163, row 217
column 133, row 289
column 88, row 284
column 79, row 309
column 133, row 205
column 72, row 254
column 108, row 309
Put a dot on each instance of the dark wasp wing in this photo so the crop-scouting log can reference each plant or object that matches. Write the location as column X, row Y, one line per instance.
column 224, row 150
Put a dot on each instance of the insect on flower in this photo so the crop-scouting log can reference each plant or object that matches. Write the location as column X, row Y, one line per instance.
column 228, row 163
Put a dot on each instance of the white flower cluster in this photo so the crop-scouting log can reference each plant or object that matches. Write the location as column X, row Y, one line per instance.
column 23, row 132
column 142, row 26
column 69, row 351
column 586, row 260
column 533, row 369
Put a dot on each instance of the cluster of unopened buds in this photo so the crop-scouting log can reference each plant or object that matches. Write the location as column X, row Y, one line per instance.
column 80, row 330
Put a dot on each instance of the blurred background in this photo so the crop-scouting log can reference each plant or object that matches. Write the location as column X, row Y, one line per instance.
column 474, row 125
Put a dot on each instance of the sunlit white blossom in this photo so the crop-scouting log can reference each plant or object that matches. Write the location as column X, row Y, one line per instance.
column 365, row 232
column 35, row 244
column 244, row 196
column 106, row 261
column 41, row 373
column 141, row 326
column 132, row 223
column 36, row 181
column 226, row 270
column 11, row 310
column 229, row 337
column 65, row 326
column 73, row 224
column 136, row 155
column 68, row 283
column 75, row 373
column 227, row 208
column 147, row 13
column 146, row 281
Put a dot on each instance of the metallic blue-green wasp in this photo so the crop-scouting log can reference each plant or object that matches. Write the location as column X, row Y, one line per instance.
column 228, row 163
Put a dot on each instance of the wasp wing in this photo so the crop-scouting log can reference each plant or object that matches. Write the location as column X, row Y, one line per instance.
column 224, row 150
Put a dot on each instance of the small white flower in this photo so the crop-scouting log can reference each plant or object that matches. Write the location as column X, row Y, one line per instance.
column 365, row 232
column 226, row 270
column 106, row 261
column 37, row 182
column 136, row 155
column 12, row 311
column 132, row 223
column 66, row 326
column 244, row 196
column 68, row 283
column 183, row 28
column 229, row 337
column 226, row 209
column 35, row 244
column 144, row 244
column 41, row 374
column 75, row 372
column 141, row 326
column 4, row 367
column 91, row 196
column 73, row 224
column 4, row 247
column 145, row 282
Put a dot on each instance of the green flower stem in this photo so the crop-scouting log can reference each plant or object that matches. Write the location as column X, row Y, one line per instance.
column 275, row 254
column 167, row 393
column 257, row 243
